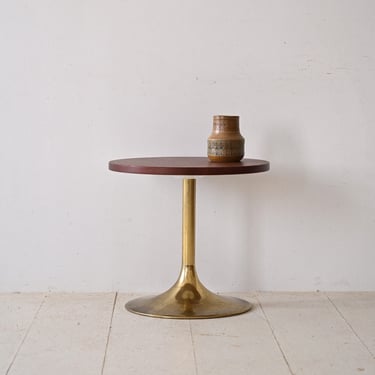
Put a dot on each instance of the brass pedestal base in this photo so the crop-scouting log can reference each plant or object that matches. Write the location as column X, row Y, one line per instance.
column 188, row 298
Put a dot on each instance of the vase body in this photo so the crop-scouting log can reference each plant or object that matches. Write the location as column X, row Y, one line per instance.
column 225, row 144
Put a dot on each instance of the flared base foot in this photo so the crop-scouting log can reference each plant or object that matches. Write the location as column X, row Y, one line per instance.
column 188, row 299
column 216, row 308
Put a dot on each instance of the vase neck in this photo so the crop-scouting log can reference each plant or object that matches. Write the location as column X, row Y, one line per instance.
column 226, row 124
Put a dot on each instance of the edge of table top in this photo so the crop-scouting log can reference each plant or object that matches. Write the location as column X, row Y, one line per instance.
column 186, row 166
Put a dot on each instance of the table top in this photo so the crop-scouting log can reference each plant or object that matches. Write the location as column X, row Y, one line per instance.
column 187, row 166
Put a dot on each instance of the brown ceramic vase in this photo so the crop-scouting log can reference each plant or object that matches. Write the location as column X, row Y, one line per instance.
column 225, row 144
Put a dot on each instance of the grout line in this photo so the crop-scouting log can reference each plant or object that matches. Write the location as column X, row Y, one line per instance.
column 26, row 334
column 274, row 335
column 109, row 333
column 193, row 345
column 350, row 326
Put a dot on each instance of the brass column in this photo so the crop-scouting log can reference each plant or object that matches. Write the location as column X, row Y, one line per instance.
column 188, row 222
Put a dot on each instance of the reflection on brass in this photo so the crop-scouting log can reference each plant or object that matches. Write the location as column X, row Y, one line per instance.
column 188, row 298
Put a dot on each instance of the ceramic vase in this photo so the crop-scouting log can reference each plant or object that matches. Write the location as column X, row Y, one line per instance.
column 225, row 144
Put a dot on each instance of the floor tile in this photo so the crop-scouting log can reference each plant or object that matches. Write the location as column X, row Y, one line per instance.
column 68, row 336
column 238, row 345
column 17, row 312
column 313, row 336
column 358, row 309
column 143, row 345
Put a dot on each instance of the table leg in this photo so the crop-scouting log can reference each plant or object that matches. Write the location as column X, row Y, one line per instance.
column 188, row 298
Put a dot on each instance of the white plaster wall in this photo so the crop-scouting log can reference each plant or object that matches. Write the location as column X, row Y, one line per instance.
column 83, row 82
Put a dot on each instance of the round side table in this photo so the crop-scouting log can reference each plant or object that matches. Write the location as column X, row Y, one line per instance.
column 188, row 298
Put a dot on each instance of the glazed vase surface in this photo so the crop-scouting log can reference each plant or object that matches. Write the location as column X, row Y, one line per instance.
column 225, row 144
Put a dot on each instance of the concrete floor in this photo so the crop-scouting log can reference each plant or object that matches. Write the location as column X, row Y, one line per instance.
column 285, row 333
